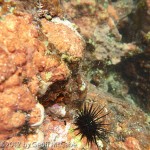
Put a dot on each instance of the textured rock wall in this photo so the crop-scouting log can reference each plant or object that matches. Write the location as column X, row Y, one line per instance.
column 34, row 55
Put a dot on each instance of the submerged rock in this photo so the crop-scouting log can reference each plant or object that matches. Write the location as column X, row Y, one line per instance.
column 28, row 68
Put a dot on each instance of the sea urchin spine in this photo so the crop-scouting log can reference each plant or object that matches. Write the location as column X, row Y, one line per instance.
column 90, row 123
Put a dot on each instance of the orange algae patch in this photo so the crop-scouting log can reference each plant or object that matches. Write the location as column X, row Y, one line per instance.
column 22, row 65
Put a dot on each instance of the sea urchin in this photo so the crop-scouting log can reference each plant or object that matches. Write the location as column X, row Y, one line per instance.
column 90, row 123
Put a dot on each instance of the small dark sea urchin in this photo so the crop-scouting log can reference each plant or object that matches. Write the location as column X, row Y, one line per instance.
column 90, row 123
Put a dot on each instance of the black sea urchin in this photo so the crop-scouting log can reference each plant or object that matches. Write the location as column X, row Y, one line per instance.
column 90, row 123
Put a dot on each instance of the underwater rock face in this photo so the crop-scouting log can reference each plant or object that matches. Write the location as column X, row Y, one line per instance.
column 143, row 14
column 38, row 8
column 30, row 142
column 40, row 67
column 135, row 27
column 27, row 69
column 136, row 71
column 86, row 14
column 63, row 38
column 129, row 126
column 107, row 46
column 52, row 7
column 99, row 27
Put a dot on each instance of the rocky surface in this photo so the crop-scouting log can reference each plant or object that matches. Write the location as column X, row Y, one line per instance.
column 29, row 68
column 43, row 81
column 129, row 125
column 63, row 38
column 136, row 71
column 98, row 26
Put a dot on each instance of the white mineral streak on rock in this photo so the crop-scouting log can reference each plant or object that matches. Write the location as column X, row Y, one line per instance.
column 44, row 86
column 67, row 23
column 39, row 106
